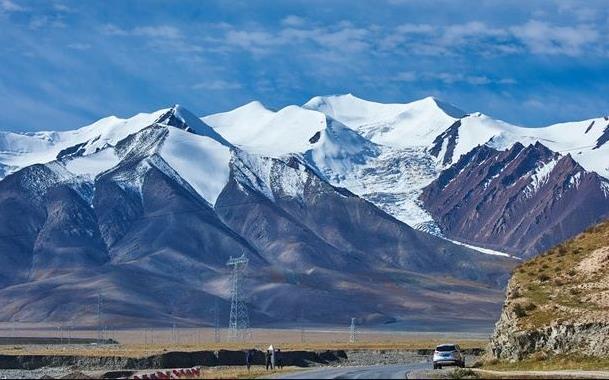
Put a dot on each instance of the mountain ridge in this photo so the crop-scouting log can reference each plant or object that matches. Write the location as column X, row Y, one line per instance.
column 165, row 207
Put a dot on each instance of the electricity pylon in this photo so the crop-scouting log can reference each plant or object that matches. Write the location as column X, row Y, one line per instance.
column 100, row 328
column 238, row 324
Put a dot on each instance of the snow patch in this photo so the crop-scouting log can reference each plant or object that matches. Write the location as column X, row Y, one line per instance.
column 201, row 161
column 539, row 177
column 483, row 250
column 94, row 164
column 255, row 171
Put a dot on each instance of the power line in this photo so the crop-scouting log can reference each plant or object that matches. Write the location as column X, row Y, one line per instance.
column 353, row 332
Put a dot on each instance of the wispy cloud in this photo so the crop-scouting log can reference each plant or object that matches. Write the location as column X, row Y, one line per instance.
column 79, row 46
column 158, row 31
column 11, row 6
column 293, row 21
column 534, row 37
column 162, row 37
column 544, row 38
column 450, row 78
column 217, row 85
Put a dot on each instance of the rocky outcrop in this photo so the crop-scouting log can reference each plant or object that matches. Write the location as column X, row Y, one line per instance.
column 513, row 342
column 557, row 303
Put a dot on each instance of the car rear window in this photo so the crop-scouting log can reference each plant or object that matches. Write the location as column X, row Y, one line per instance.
column 446, row 348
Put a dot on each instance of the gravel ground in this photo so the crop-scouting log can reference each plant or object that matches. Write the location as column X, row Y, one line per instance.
column 374, row 357
column 33, row 374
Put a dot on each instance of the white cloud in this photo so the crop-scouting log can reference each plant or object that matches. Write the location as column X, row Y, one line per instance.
column 543, row 38
column 217, row 85
column 79, row 46
column 293, row 21
column 341, row 38
column 414, row 28
column 44, row 21
column 161, row 31
column 450, row 78
column 160, row 37
column 11, row 6
column 157, row 31
column 533, row 36
column 406, row 76
column 62, row 8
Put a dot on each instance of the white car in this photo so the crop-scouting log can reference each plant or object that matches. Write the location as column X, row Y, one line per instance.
column 448, row 354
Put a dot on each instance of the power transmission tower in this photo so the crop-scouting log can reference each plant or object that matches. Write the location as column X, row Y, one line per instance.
column 100, row 328
column 353, row 337
column 302, row 329
column 216, row 322
column 238, row 324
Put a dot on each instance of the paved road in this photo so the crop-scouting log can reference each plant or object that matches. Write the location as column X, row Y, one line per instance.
column 393, row 371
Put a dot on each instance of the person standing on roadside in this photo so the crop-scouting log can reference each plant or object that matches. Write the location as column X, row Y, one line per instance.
column 267, row 360
column 248, row 359
column 278, row 359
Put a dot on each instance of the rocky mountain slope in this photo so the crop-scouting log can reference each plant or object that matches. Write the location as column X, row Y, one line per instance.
column 523, row 200
column 146, row 212
column 557, row 302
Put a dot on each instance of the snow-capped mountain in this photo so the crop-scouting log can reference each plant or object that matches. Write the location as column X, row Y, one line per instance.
column 406, row 147
column 313, row 194
column 147, row 211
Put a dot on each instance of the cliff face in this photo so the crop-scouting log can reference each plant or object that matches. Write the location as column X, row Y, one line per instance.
column 558, row 303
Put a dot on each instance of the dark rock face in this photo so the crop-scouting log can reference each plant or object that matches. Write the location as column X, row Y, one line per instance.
column 603, row 139
column 75, row 150
column 522, row 200
column 451, row 135
column 69, row 239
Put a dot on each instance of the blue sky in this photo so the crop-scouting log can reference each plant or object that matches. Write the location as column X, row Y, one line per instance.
column 64, row 64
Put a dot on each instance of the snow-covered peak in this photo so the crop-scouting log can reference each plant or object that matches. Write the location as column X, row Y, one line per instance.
column 18, row 150
column 292, row 129
column 179, row 117
column 253, row 114
column 397, row 125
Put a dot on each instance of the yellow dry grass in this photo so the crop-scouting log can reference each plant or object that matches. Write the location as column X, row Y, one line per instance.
column 554, row 363
column 561, row 286
column 242, row 373
column 141, row 350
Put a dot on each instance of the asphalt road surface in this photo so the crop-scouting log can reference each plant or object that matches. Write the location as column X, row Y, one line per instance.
column 393, row 371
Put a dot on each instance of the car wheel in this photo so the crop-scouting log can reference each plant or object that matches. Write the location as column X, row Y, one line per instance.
column 462, row 365
column 435, row 366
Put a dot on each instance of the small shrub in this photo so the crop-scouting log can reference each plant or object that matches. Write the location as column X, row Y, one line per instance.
column 571, row 272
column 530, row 307
column 543, row 277
column 539, row 356
column 562, row 249
column 464, row 373
column 558, row 282
column 519, row 311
